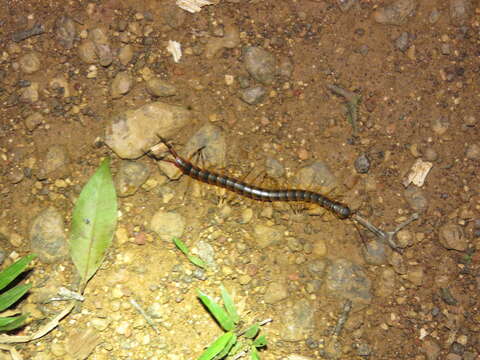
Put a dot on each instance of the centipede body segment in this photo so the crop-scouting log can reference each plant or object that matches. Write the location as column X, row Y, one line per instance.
column 255, row 192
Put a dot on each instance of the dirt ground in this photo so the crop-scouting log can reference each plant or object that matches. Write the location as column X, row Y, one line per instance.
column 417, row 75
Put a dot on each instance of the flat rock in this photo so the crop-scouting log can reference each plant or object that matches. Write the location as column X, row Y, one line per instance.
column 131, row 133
column 130, row 177
column 167, row 224
column 213, row 144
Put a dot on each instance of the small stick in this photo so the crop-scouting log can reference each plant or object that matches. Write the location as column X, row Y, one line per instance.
column 352, row 104
column 21, row 35
column 145, row 315
column 343, row 317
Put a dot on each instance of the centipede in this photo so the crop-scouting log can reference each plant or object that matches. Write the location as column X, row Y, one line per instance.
column 255, row 192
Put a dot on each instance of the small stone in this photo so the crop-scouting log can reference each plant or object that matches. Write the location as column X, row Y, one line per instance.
column 416, row 275
column 56, row 160
column 246, row 216
column 167, row 225
column 29, row 63
column 125, row 55
column 319, row 248
column 58, row 349
column 65, row 31
column 430, row 154
column 396, row 12
column 404, row 238
column 431, row 349
column 30, row 94
column 266, row 236
column 121, row 84
column 276, row 292
column 157, row 87
column 470, row 120
column 402, row 42
column 451, row 236
column 100, row 324
column 86, row 52
column 460, row 11
column 260, row 64
column 253, row 95
column 130, row 177
column 244, row 279
column 362, row 164
column 473, row 152
column 416, row 199
column 230, row 40
column 122, row 235
column 440, row 125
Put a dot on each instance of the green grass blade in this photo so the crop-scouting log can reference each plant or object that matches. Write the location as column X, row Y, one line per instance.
column 217, row 311
column 11, row 272
column 252, row 331
column 227, row 348
column 216, row 347
column 197, row 261
column 93, row 222
column 10, row 323
column 261, row 341
column 181, row 246
column 254, row 353
column 229, row 305
column 11, row 296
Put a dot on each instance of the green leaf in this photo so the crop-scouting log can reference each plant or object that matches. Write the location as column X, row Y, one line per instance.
column 252, row 331
column 229, row 305
column 93, row 222
column 261, row 341
column 184, row 249
column 254, row 353
column 10, row 323
column 181, row 245
column 216, row 347
column 11, row 272
column 227, row 348
column 11, row 296
column 217, row 311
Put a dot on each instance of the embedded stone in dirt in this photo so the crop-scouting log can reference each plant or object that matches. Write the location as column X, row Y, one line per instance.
column 130, row 177
column 253, row 95
column 157, row 87
column 316, row 176
column 55, row 160
column 230, row 40
column 29, row 63
column 395, row 13
column 276, row 292
column 33, row 120
column 121, row 84
column 47, row 237
column 298, row 321
column 451, row 236
column 65, row 31
column 131, row 133
column 260, row 64
column 211, row 140
column 267, row 235
column 167, row 224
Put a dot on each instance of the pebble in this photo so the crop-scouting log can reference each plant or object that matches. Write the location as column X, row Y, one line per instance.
column 60, row 85
column 56, row 160
column 276, row 292
column 102, row 47
column 404, row 238
column 244, row 279
column 230, row 40
column 47, row 236
column 100, row 324
column 266, row 236
column 386, row 284
column 274, row 168
column 397, row 262
column 205, row 251
column 285, row 68
column 403, row 41
column 130, row 132
column 470, row 121
column 125, row 55
column 416, row 199
column 375, row 252
column 430, row 154
column 30, row 94
column 319, row 248
column 348, row 280
column 121, row 84
column 260, row 64
column 416, row 275
column 130, row 177
column 157, row 87
column 396, row 12
column 65, row 31
column 362, row 164
column 440, row 125
column 253, row 95
column 167, row 225
column 431, row 349
column 316, row 176
column 211, row 139
column 246, row 216
column 298, row 321
column 33, row 121
column 86, row 52
column 473, row 152
column 30, row 63
column 460, row 11
column 451, row 236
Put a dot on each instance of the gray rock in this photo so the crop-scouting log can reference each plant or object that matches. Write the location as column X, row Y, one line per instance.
column 362, row 164
column 130, row 133
column 56, row 160
column 416, row 199
column 274, row 168
column 460, row 11
column 285, row 68
column 297, row 321
column 125, row 55
column 260, row 64
column 213, row 144
column 345, row 5
column 206, row 252
column 102, row 46
column 276, row 292
column 121, row 84
column 65, row 31
column 316, row 176
column 253, row 95
column 47, row 236
column 29, row 63
column 395, row 13
column 130, row 177
column 375, row 252
column 266, row 236
column 403, row 42
column 167, row 225
column 157, row 87
column 348, row 280
column 451, row 236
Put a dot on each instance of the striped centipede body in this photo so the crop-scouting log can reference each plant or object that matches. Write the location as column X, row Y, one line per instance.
column 255, row 192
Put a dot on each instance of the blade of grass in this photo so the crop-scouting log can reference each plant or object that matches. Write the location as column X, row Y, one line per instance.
column 254, row 353
column 11, row 272
column 11, row 296
column 94, row 220
column 252, row 331
column 229, row 305
column 227, row 348
column 217, row 311
column 10, row 323
column 261, row 341
column 216, row 347
column 184, row 249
